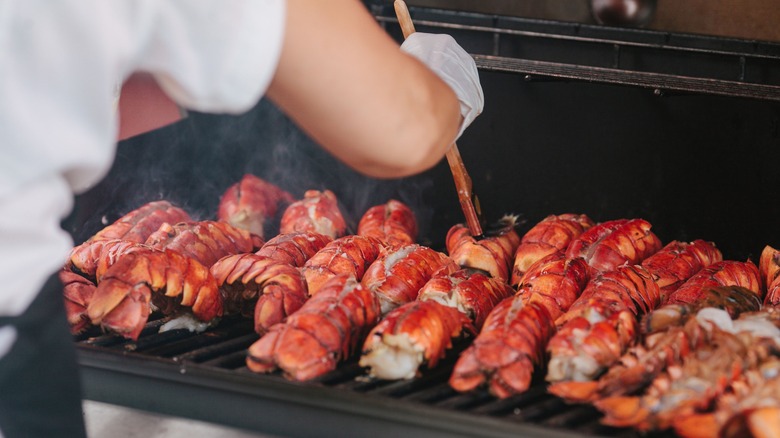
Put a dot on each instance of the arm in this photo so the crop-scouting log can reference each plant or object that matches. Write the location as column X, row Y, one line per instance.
column 347, row 84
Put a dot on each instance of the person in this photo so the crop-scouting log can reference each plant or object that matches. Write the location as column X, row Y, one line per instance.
column 385, row 112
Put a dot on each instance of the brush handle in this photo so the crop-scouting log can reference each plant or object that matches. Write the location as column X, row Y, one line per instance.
column 462, row 179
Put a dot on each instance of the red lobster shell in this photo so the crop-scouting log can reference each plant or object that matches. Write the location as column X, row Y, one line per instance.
column 164, row 278
column 492, row 254
column 135, row 226
column 398, row 275
column 555, row 282
column 260, row 286
column 598, row 328
column 205, row 241
column 723, row 273
column 326, row 330
column 294, row 248
column 610, row 244
column 472, row 292
column 175, row 260
column 414, row 333
column 512, row 342
column 350, row 255
column 550, row 235
column 318, row 212
column 250, row 203
column 769, row 269
column 643, row 362
column 78, row 292
column 393, row 223
column 678, row 261
column 468, row 291
column 690, row 387
column 507, row 350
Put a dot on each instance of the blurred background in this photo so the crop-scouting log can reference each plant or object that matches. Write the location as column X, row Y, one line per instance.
column 748, row 19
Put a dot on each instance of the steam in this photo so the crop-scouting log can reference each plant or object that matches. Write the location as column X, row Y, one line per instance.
column 192, row 162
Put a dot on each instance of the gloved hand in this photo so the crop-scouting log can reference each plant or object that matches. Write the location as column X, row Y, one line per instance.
column 447, row 59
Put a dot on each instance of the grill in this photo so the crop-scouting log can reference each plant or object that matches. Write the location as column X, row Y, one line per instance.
column 681, row 130
column 203, row 376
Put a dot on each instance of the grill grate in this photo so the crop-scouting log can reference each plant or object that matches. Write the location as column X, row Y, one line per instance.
column 219, row 353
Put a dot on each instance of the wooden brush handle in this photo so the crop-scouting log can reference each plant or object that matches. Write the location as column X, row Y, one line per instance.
column 459, row 174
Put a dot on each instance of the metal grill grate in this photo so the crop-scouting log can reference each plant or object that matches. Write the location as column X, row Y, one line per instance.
column 216, row 357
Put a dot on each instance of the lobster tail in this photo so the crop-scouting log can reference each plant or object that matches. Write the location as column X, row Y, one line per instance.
column 393, row 223
column 552, row 234
column 318, row 212
column 166, row 279
column 326, row 330
column 492, row 254
column 251, row 204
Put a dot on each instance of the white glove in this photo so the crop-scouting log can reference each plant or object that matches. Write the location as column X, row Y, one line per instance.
column 447, row 59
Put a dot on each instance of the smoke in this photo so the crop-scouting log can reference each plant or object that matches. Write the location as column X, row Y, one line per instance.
column 192, row 162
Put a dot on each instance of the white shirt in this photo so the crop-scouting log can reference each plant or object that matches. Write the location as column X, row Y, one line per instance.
column 60, row 62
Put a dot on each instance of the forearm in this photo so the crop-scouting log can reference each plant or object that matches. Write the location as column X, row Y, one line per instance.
column 347, row 84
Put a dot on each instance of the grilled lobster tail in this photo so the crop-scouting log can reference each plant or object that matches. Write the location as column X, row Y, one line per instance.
column 492, row 254
column 78, row 292
column 412, row 334
column 468, row 291
column 350, row 255
column 550, row 235
column 326, row 330
column 678, row 261
column 393, row 223
column 398, row 275
column 294, row 248
column 724, row 273
column 250, row 203
column 555, row 282
column 205, row 241
column 318, row 212
column 598, row 328
column 509, row 348
column 610, row 244
column 259, row 286
column 512, row 343
column 163, row 278
column 135, row 227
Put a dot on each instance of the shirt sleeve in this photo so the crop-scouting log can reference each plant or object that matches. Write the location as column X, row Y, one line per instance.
column 215, row 56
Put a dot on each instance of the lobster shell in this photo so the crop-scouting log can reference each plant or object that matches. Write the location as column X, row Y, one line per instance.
column 471, row 292
column 122, row 300
column 492, row 254
column 259, row 286
column 250, row 203
column 550, row 235
column 397, row 276
column 415, row 332
column 318, row 212
column 678, row 261
column 393, row 223
column 135, row 226
column 350, row 255
column 294, row 248
column 325, row 331
column 618, row 242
